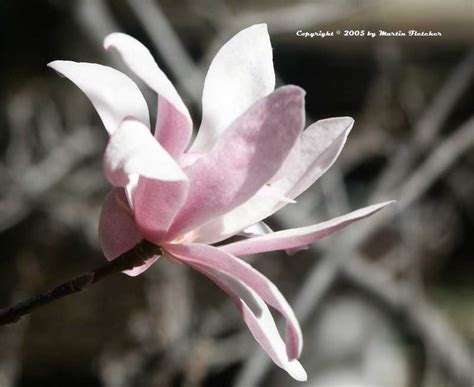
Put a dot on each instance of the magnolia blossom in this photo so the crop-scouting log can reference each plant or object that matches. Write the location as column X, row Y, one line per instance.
column 250, row 158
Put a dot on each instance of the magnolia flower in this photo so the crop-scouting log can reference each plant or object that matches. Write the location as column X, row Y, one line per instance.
column 250, row 158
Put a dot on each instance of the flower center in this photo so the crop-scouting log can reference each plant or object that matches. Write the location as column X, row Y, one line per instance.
column 189, row 237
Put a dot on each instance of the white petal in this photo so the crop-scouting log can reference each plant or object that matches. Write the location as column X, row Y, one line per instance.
column 219, row 260
column 114, row 95
column 132, row 150
column 297, row 237
column 174, row 125
column 258, row 318
column 261, row 228
column 240, row 74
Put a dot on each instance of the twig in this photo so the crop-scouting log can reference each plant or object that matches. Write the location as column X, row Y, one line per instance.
column 167, row 42
column 417, row 313
column 428, row 126
column 12, row 338
column 439, row 161
column 128, row 260
column 29, row 187
column 418, row 182
column 97, row 23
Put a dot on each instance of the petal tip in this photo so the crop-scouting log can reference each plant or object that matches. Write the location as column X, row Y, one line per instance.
column 386, row 203
column 296, row 371
column 109, row 41
column 60, row 66
column 56, row 64
column 350, row 120
column 294, row 89
column 260, row 26
column 292, row 94
column 256, row 28
column 346, row 122
column 374, row 208
column 389, row 203
column 52, row 63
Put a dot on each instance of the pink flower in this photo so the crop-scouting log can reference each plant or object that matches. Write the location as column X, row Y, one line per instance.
column 250, row 158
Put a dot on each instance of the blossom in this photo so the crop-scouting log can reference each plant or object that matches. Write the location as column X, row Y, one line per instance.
column 250, row 158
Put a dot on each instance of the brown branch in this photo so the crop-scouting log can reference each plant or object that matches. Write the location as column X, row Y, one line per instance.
column 130, row 259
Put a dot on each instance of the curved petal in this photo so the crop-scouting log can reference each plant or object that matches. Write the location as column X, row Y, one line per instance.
column 174, row 125
column 132, row 150
column 297, row 237
column 317, row 149
column 321, row 145
column 246, row 156
column 117, row 230
column 240, row 74
column 214, row 258
column 114, row 95
column 261, row 228
column 258, row 318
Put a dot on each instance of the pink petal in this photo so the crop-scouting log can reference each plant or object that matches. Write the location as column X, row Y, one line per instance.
column 155, row 203
column 261, row 228
column 173, row 129
column 240, row 74
column 246, row 156
column 113, row 94
column 132, row 150
column 219, row 260
column 117, row 230
column 161, row 187
column 321, row 145
column 297, row 237
column 317, row 149
column 258, row 318
column 174, row 125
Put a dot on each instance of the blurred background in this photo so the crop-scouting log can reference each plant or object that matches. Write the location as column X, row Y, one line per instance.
column 387, row 302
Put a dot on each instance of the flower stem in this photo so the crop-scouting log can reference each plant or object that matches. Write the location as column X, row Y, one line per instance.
column 128, row 260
